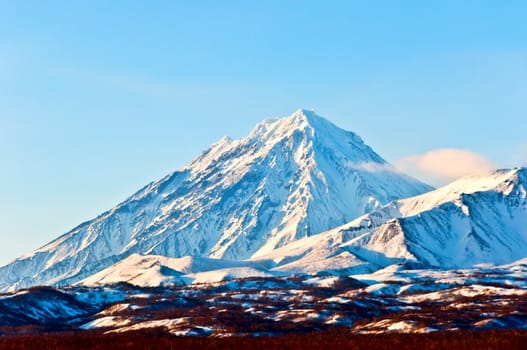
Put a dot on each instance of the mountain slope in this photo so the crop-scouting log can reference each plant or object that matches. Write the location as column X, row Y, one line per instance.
column 471, row 221
column 290, row 178
column 155, row 270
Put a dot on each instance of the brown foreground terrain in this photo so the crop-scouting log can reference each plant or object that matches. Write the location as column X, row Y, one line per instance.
column 330, row 339
column 281, row 310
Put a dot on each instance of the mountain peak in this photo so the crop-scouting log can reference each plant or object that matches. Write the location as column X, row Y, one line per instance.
column 306, row 115
column 316, row 130
column 301, row 119
column 304, row 118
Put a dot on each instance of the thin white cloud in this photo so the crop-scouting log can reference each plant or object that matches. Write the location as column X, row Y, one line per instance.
column 443, row 165
column 371, row 167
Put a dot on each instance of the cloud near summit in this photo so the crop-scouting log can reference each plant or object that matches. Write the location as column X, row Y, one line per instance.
column 443, row 165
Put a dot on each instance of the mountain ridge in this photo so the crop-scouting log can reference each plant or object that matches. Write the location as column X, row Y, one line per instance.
column 452, row 227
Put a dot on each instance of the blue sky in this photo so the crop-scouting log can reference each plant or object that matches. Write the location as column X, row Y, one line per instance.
column 97, row 98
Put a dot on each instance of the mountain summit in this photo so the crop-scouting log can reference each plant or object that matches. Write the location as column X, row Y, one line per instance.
column 290, row 178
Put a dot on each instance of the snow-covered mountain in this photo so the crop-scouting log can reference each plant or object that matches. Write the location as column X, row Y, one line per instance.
column 290, row 178
column 474, row 220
